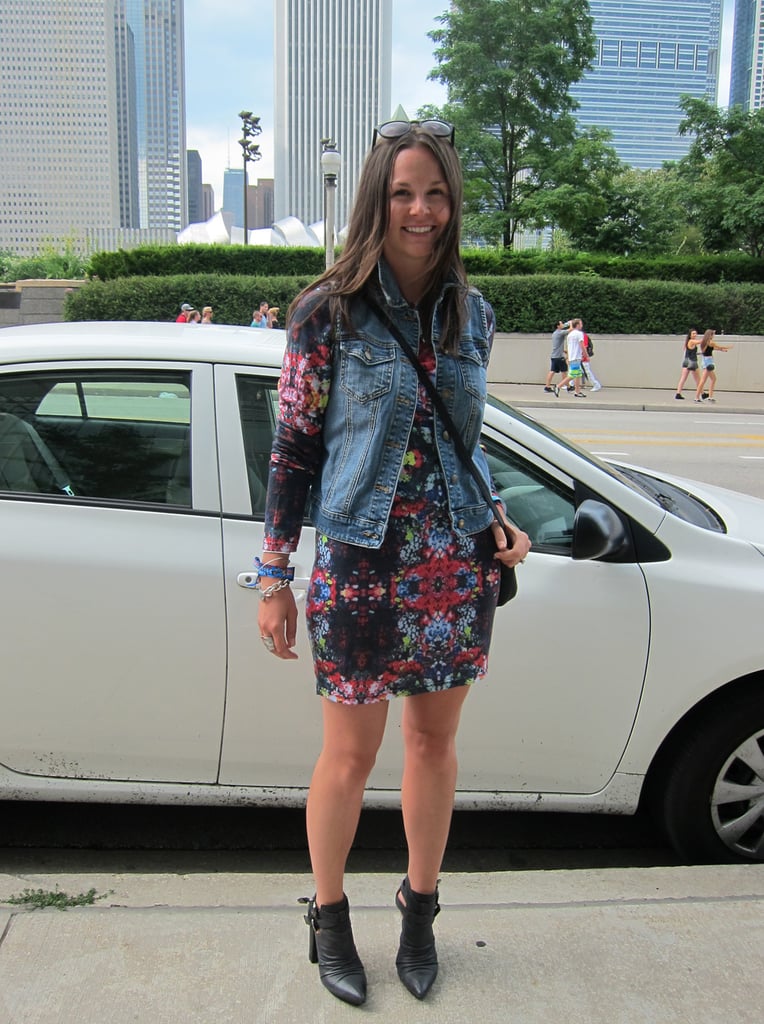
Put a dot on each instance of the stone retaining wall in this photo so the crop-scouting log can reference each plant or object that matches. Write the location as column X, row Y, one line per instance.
column 629, row 361
column 34, row 302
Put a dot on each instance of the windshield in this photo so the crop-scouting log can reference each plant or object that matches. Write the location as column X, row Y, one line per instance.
column 668, row 496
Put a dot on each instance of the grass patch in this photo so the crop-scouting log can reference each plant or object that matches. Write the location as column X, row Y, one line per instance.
column 39, row 899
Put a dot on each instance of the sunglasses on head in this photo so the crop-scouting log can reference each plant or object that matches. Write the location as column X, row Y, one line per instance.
column 397, row 129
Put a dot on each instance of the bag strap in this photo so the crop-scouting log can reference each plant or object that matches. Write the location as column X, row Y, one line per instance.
column 437, row 401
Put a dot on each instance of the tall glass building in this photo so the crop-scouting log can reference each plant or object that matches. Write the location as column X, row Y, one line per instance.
column 747, row 64
column 648, row 53
column 151, row 106
column 58, row 139
column 332, row 63
column 92, row 123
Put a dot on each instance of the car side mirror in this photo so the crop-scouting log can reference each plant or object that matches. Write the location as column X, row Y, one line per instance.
column 599, row 533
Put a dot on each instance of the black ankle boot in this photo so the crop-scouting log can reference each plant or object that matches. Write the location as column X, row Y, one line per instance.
column 331, row 946
column 417, row 961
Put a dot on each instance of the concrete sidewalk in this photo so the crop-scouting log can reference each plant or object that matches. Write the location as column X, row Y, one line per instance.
column 638, row 399
column 616, row 946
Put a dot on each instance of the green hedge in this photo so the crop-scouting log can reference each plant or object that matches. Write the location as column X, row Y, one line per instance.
column 171, row 260
column 700, row 269
column 232, row 297
column 522, row 303
column 530, row 304
column 284, row 261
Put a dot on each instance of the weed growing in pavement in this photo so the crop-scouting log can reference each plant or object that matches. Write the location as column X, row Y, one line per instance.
column 39, row 899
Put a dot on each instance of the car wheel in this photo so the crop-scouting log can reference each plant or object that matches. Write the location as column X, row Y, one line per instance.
column 712, row 805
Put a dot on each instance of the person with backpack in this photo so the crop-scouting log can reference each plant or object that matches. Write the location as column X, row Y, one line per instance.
column 587, row 351
column 574, row 346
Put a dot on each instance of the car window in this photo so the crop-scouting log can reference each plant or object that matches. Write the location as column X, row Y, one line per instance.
column 119, row 435
column 258, row 410
column 535, row 502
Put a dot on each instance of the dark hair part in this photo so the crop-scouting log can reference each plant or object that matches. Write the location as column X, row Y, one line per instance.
column 369, row 221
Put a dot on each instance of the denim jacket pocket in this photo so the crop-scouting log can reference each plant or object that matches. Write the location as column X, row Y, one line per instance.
column 366, row 367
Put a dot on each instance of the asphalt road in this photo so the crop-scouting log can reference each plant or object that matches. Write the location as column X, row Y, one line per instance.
column 726, row 450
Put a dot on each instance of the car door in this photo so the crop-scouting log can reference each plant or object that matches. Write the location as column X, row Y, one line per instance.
column 113, row 623
column 272, row 719
column 568, row 656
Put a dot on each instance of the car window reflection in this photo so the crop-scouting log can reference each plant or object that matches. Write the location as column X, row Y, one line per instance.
column 118, row 436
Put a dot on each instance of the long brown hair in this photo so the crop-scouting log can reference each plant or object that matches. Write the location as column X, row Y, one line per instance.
column 368, row 227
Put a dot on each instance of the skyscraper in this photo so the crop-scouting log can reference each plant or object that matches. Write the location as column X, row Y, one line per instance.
column 92, row 124
column 233, row 195
column 332, row 81
column 151, row 110
column 58, row 137
column 648, row 53
column 747, row 64
column 195, row 194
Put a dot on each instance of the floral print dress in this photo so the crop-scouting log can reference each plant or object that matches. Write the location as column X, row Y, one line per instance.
column 415, row 615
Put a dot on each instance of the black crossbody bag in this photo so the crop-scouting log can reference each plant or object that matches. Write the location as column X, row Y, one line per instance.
column 508, row 582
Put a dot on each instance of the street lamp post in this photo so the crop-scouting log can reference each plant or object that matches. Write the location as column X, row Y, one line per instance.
column 330, row 168
column 250, row 127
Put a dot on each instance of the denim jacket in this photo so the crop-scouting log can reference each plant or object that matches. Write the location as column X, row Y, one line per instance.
column 370, row 412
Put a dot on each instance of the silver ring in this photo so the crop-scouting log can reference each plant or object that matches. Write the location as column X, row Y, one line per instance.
column 270, row 644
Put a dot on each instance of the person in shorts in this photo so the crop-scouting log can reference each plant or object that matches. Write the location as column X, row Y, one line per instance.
column 558, row 363
column 689, row 362
column 574, row 345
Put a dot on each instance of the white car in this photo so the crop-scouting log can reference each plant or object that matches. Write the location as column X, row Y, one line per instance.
column 133, row 462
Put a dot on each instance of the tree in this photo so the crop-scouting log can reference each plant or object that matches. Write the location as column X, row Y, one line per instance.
column 571, row 189
column 644, row 212
column 508, row 65
column 725, row 169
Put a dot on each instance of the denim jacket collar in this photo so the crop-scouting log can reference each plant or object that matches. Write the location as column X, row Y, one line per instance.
column 391, row 291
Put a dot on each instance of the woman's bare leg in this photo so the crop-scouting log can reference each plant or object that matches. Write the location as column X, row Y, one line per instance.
column 429, row 725
column 352, row 735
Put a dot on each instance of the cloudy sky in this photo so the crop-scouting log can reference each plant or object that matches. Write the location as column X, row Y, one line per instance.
column 229, row 67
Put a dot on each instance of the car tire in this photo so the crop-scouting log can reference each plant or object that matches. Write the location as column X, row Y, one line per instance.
column 721, row 756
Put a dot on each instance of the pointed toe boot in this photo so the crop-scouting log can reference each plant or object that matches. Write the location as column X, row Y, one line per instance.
column 417, row 960
column 331, row 946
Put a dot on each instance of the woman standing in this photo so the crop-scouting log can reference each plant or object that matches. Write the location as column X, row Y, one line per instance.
column 708, row 377
column 404, row 586
column 689, row 362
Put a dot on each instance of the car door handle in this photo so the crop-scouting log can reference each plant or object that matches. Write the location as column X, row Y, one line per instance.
column 248, row 580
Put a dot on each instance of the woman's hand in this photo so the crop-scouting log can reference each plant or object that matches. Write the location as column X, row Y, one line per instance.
column 277, row 619
column 510, row 551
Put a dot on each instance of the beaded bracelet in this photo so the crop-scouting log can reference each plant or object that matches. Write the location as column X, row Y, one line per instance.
column 276, row 572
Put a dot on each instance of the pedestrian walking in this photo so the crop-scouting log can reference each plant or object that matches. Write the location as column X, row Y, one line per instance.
column 587, row 351
column 557, row 362
column 689, row 362
column 708, row 345
column 574, row 342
